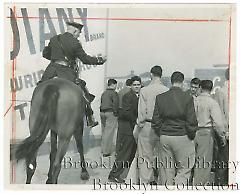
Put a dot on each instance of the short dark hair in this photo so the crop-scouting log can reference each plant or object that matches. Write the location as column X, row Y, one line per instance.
column 195, row 81
column 177, row 77
column 206, row 85
column 156, row 71
column 111, row 82
column 227, row 74
column 128, row 82
column 135, row 78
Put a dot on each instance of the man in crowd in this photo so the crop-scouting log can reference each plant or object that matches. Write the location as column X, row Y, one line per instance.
column 108, row 113
column 147, row 139
column 123, row 91
column 126, row 144
column 194, row 90
column 63, row 51
column 174, row 120
column 209, row 120
column 222, row 97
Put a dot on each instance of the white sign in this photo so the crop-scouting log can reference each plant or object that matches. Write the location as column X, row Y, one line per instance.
column 29, row 28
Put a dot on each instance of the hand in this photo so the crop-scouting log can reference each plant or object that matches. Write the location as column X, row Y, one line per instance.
column 157, row 132
column 191, row 135
column 227, row 135
column 223, row 141
column 136, row 132
column 101, row 60
column 105, row 58
column 115, row 113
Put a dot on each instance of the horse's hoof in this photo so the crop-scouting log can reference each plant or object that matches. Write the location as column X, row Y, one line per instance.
column 48, row 181
column 85, row 176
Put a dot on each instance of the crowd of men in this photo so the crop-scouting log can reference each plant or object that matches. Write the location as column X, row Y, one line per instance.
column 180, row 130
column 154, row 121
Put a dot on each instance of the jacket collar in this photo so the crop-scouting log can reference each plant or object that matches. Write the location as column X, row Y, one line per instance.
column 156, row 82
column 131, row 91
column 175, row 88
column 110, row 89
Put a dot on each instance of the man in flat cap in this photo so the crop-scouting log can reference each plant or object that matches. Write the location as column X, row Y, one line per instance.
column 63, row 50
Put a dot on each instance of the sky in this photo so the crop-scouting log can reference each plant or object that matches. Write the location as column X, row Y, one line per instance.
column 183, row 45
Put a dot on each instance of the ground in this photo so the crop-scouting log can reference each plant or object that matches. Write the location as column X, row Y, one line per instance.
column 70, row 172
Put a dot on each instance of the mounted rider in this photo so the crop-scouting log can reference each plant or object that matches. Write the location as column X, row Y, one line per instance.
column 63, row 50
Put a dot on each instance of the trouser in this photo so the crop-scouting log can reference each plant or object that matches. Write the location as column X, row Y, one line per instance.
column 221, row 171
column 124, row 154
column 177, row 156
column 146, row 146
column 109, row 127
column 204, row 155
column 61, row 71
column 70, row 74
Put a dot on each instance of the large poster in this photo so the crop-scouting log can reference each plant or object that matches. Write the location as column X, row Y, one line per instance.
column 29, row 28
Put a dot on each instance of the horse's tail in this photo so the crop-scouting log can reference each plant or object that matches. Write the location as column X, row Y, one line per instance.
column 46, row 119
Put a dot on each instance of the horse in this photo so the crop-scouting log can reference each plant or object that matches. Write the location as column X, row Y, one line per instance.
column 57, row 105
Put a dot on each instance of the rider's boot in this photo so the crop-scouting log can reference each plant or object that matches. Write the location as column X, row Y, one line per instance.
column 91, row 122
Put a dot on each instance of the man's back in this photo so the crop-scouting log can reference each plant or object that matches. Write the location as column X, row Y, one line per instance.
column 176, row 110
column 68, row 42
column 109, row 101
column 57, row 52
column 72, row 49
column 221, row 97
column 147, row 99
column 208, row 112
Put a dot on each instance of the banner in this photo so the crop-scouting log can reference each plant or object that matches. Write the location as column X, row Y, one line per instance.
column 28, row 29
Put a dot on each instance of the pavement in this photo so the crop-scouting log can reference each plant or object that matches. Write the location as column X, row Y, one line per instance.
column 97, row 166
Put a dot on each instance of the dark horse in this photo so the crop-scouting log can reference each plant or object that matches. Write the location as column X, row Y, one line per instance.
column 58, row 106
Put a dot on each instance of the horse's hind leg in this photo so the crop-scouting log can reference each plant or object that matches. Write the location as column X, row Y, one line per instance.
column 78, row 133
column 61, row 151
column 52, row 155
column 31, row 164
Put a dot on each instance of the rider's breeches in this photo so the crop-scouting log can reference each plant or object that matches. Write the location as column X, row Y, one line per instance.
column 60, row 71
column 88, row 109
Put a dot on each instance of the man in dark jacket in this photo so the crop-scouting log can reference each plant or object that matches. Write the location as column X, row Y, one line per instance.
column 63, row 50
column 174, row 120
column 126, row 144
column 108, row 115
column 124, row 90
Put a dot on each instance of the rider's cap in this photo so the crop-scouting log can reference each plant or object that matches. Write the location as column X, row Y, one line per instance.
column 75, row 24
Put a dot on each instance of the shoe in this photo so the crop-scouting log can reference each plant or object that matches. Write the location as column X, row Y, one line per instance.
column 93, row 124
column 91, row 121
column 106, row 155
column 153, row 183
column 116, row 180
